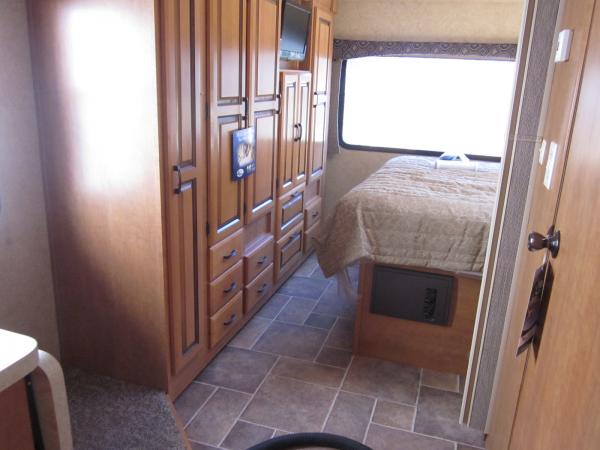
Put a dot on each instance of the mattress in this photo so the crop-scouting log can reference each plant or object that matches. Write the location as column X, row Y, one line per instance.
column 410, row 213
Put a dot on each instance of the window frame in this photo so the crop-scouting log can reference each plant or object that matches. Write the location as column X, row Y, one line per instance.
column 406, row 151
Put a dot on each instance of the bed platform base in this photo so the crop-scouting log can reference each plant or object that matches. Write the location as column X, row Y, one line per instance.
column 441, row 347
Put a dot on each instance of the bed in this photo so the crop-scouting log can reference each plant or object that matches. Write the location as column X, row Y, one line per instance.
column 424, row 223
column 410, row 213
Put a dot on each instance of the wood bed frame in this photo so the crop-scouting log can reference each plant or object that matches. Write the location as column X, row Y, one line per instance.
column 444, row 348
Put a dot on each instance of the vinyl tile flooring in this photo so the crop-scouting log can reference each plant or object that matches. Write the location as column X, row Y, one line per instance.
column 291, row 369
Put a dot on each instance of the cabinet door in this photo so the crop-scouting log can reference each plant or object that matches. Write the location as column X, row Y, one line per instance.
column 263, row 91
column 184, row 88
column 227, row 113
column 288, row 144
column 321, row 56
column 302, row 119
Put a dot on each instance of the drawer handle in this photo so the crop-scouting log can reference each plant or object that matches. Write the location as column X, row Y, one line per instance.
column 230, row 288
column 262, row 260
column 230, row 321
column 231, row 255
column 296, row 194
column 315, row 214
column 262, row 288
column 293, row 237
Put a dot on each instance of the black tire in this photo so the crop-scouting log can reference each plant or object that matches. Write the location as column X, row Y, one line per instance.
column 303, row 440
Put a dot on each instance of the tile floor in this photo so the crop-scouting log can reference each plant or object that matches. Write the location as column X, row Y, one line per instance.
column 291, row 369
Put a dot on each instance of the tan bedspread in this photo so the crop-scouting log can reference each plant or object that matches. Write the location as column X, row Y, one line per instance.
column 410, row 213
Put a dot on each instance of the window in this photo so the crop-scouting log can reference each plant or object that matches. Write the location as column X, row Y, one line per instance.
column 426, row 105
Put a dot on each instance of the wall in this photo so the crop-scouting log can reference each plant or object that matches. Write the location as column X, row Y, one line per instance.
column 508, row 228
column 26, row 295
column 481, row 21
column 484, row 21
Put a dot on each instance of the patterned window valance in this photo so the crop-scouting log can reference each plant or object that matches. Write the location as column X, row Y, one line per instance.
column 348, row 49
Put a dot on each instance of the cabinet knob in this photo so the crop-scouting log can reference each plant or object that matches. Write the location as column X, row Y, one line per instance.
column 262, row 288
column 230, row 288
column 230, row 321
column 232, row 254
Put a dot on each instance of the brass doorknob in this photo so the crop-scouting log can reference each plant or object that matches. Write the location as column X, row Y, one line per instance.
column 551, row 241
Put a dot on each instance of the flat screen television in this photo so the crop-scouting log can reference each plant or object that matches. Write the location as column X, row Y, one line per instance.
column 294, row 31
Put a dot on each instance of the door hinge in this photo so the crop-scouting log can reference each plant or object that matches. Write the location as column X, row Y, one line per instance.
column 206, row 110
column 245, row 209
column 207, row 228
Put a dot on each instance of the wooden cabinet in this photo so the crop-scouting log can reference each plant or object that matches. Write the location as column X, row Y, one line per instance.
column 227, row 112
column 294, row 130
column 184, row 85
column 320, row 57
column 167, row 278
column 263, row 95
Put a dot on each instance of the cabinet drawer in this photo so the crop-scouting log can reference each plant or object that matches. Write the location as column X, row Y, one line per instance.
column 312, row 213
column 308, row 234
column 259, row 288
column 225, row 287
column 288, row 250
column 290, row 210
column 258, row 260
column 225, row 319
column 225, row 254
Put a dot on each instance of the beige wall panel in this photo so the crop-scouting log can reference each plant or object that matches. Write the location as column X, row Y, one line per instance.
column 26, row 295
column 483, row 21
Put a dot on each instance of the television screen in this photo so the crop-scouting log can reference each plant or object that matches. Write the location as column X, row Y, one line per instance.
column 294, row 32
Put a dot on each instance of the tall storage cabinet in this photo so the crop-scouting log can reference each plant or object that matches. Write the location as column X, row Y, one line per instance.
column 159, row 257
column 185, row 174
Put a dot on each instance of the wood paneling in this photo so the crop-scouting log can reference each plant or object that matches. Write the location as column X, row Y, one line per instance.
column 225, row 254
column 303, row 121
column 264, row 19
column 15, row 424
column 290, row 211
column 100, row 146
column 437, row 347
column 226, row 287
column 227, row 113
column 185, row 173
column 259, row 288
column 320, row 64
column 294, row 129
column 288, row 132
column 312, row 213
column 224, row 321
column 257, row 259
column 309, row 233
column 288, row 252
column 260, row 186
column 557, row 127
column 548, row 399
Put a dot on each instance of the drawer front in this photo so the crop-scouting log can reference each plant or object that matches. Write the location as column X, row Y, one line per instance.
column 290, row 211
column 259, row 288
column 226, row 254
column 225, row 319
column 258, row 260
column 308, row 234
column 312, row 190
column 312, row 213
column 226, row 287
column 288, row 250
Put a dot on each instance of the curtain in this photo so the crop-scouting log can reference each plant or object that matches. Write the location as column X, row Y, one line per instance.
column 348, row 49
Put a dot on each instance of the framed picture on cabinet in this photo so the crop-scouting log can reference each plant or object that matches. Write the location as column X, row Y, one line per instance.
column 244, row 153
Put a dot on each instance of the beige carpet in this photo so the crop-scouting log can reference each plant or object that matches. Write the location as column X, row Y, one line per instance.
column 108, row 414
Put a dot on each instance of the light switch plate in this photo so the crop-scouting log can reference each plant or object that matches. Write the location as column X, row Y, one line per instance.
column 543, row 146
column 563, row 49
column 550, row 165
